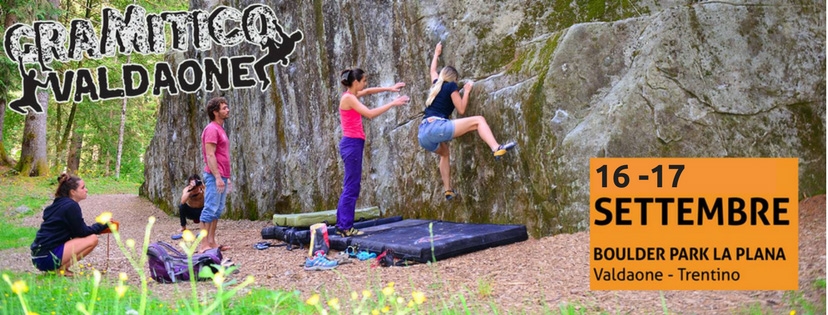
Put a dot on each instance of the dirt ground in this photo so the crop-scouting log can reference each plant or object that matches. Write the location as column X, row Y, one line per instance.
column 529, row 276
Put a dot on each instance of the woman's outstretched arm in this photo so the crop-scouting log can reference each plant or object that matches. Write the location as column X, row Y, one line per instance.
column 374, row 90
column 350, row 102
column 433, row 70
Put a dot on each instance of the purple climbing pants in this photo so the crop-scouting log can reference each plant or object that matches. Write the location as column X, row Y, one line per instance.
column 351, row 151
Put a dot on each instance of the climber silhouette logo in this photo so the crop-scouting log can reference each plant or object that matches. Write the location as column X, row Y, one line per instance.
column 136, row 31
column 276, row 52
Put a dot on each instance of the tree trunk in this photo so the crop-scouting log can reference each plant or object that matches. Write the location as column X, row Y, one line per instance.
column 62, row 139
column 5, row 160
column 33, row 159
column 121, row 133
column 73, row 158
column 33, row 150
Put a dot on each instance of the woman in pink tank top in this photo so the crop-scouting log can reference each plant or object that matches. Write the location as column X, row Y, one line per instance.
column 351, row 111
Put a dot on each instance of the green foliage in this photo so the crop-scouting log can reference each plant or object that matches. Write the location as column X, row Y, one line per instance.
column 263, row 301
column 111, row 185
column 571, row 309
column 12, row 236
column 17, row 191
column 51, row 293
column 99, row 121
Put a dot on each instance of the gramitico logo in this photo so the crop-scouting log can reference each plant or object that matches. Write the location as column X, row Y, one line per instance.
column 135, row 31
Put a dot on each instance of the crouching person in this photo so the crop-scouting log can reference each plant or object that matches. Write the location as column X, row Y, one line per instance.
column 63, row 236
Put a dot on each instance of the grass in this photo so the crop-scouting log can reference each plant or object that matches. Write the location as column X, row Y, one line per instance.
column 49, row 294
column 22, row 196
column 12, row 236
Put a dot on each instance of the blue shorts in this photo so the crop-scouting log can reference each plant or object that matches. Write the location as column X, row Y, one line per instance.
column 49, row 260
column 213, row 201
column 431, row 134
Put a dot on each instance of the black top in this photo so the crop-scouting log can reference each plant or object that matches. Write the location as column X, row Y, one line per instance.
column 442, row 106
column 62, row 221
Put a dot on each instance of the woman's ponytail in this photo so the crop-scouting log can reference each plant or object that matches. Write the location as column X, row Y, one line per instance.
column 435, row 89
column 448, row 74
column 348, row 76
column 66, row 183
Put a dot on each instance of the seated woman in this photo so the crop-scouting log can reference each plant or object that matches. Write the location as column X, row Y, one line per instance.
column 64, row 237
column 192, row 202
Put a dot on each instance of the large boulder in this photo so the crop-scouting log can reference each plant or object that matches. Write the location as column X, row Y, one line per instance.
column 569, row 82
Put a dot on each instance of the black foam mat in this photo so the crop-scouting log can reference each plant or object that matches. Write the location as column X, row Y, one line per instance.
column 414, row 240
column 301, row 235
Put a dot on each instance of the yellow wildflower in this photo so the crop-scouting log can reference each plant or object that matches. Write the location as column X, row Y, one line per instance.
column 387, row 291
column 419, row 297
column 313, row 300
column 218, row 279
column 121, row 290
column 374, row 312
column 390, row 284
column 20, row 287
column 354, row 295
column 386, row 309
column 334, row 303
column 188, row 236
column 400, row 300
column 122, row 276
column 410, row 304
column 366, row 293
column 104, row 218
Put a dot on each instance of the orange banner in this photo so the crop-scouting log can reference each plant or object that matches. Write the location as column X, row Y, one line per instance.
column 694, row 224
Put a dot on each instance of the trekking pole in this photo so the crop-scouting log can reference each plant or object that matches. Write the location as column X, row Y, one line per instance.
column 106, row 266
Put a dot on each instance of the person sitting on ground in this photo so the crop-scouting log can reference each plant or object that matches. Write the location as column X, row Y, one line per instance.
column 192, row 202
column 437, row 129
column 64, row 237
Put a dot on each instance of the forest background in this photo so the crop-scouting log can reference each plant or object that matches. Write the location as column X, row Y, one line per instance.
column 92, row 139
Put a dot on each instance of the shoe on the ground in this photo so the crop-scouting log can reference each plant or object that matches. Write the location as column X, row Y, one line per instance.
column 320, row 262
column 262, row 245
column 503, row 148
column 176, row 237
column 365, row 255
column 349, row 232
column 450, row 194
column 342, row 258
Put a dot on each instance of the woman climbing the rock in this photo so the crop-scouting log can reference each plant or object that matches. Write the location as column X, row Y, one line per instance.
column 437, row 129
column 351, row 111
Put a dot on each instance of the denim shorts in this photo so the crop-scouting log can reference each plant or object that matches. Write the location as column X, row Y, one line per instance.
column 431, row 134
column 49, row 260
column 213, row 201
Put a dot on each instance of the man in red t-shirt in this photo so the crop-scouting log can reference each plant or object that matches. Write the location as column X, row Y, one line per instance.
column 216, row 152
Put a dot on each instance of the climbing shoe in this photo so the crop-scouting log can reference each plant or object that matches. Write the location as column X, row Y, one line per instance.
column 349, row 232
column 503, row 148
column 450, row 194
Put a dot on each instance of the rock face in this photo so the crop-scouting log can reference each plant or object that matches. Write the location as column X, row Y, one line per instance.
column 568, row 82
